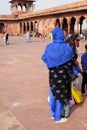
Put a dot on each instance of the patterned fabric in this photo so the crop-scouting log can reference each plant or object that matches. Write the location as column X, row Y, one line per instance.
column 60, row 82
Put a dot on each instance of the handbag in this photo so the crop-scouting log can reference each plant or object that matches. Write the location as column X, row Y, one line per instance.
column 77, row 96
column 72, row 102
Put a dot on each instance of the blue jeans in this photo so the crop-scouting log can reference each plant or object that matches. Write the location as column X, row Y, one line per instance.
column 55, row 108
column 66, row 109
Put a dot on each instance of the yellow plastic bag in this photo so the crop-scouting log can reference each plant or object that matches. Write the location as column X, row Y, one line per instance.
column 77, row 96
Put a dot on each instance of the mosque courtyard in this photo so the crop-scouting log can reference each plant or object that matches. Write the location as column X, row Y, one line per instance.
column 24, row 89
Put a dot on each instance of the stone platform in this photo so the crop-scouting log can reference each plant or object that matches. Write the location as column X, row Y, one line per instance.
column 24, row 89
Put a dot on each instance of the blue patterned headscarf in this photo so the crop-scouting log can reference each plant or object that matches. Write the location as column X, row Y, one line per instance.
column 58, row 52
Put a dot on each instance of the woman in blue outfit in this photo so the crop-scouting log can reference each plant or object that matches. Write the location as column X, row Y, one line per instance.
column 58, row 57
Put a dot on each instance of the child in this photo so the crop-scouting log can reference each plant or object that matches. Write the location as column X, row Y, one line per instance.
column 76, row 71
column 84, row 68
column 40, row 38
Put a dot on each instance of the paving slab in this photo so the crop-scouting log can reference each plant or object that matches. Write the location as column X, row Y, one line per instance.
column 9, row 122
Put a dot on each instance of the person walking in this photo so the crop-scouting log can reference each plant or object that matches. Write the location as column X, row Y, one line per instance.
column 6, row 36
column 40, row 37
column 28, row 38
column 84, row 69
column 50, row 36
column 58, row 58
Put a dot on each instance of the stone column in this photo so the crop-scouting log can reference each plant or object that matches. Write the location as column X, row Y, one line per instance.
column 61, row 22
column 29, row 26
column 52, row 23
column 30, row 8
column 22, row 28
column 27, row 7
column 77, row 25
column 40, row 26
column 5, row 27
column 68, row 29
column 21, row 7
column 17, row 7
column 25, row 26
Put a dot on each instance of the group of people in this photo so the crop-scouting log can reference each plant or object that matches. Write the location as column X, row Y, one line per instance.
column 60, row 57
column 28, row 37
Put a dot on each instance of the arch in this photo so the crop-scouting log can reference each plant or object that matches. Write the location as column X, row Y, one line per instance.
column 84, row 26
column 82, row 18
column 2, row 28
column 72, row 25
column 65, row 24
column 24, row 27
column 30, row 7
column 24, row 7
column 58, row 19
column 31, row 26
column 19, row 7
column 28, row 26
column 36, row 26
column 21, row 28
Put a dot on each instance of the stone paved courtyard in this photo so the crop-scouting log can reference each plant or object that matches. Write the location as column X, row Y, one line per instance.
column 24, row 89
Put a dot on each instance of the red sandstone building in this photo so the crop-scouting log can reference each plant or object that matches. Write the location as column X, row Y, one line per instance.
column 24, row 17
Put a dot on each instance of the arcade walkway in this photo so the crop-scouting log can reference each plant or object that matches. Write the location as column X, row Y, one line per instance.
column 24, row 89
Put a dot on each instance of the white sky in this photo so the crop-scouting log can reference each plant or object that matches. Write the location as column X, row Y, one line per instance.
column 39, row 4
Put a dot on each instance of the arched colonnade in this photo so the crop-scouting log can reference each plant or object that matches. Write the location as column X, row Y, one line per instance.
column 70, row 24
column 45, row 25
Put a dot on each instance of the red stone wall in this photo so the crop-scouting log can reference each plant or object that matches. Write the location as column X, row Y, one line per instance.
column 12, row 28
column 1, row 35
